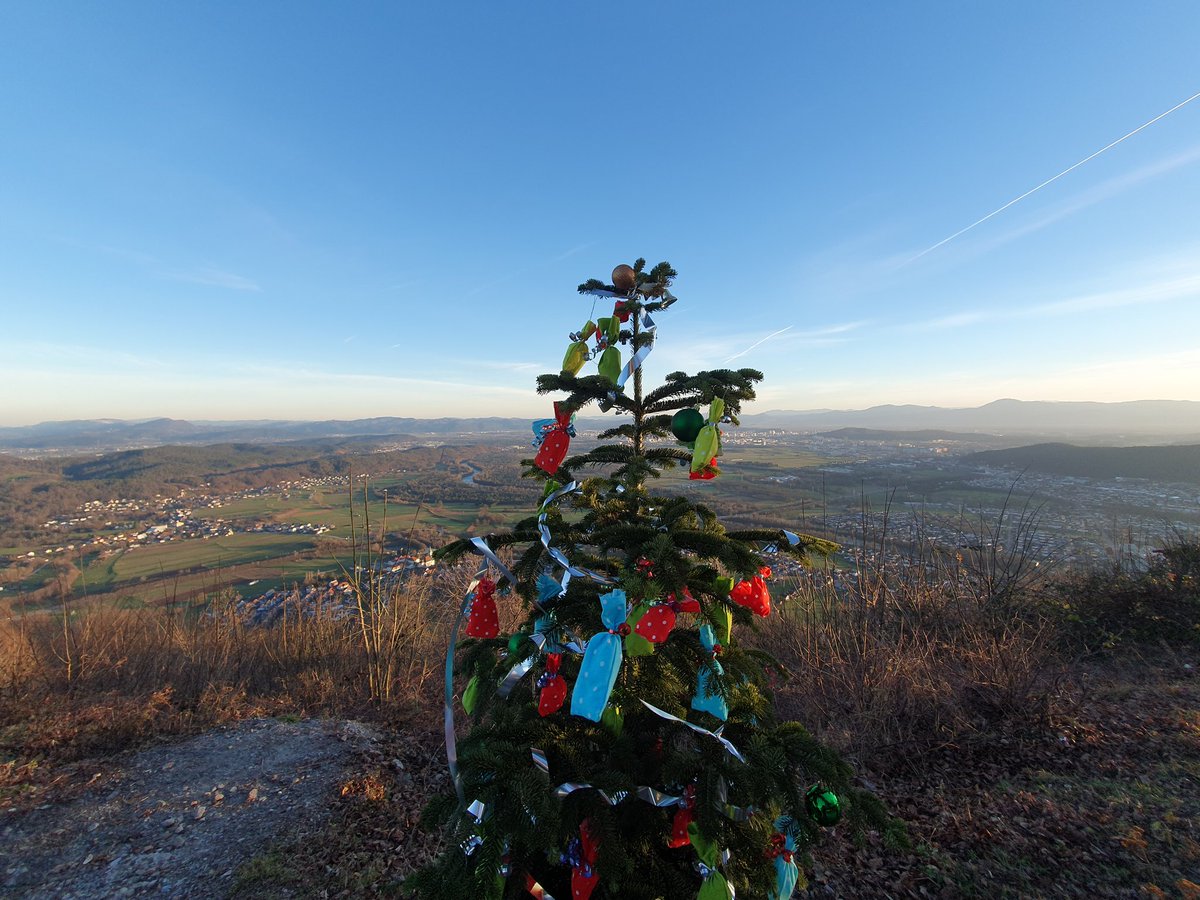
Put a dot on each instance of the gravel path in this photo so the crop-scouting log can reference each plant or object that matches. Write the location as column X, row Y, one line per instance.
column 178, row 820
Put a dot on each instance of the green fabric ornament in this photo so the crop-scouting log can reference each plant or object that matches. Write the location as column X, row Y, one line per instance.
column 721, row 616
column 708, row 442
column 612, row 719
column 609, row 365
column 686, row 424
column 823, row 805
column 635, row 644
column 715, row 887
column 470, row 696
column 515, row 640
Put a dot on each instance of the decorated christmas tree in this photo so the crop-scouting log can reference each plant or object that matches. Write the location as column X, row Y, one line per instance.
column 623, row 742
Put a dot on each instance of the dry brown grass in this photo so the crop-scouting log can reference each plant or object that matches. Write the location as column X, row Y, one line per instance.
column 885, row 664
column 79, row 684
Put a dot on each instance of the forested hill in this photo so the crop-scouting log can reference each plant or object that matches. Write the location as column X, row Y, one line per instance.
column 1173, row 463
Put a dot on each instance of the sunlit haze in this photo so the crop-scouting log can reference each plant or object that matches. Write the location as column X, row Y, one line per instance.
column 311, row 211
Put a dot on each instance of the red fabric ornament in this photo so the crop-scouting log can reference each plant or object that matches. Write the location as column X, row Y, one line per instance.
column 683, row 818
column 484, row 622
column 553, row 685
column 753, row 595
column 656, row 624
column 708, row 473
column 621, row 310
column 556, row 443
column 583, row 875
column 688, row 604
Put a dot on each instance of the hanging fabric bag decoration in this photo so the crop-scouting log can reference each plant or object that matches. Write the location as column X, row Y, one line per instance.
column 708, row 444
column 656, row 623
column 470, row 696
column 577, row 353
column 685, row 604
column 553, row 687
column 721, row 616
column 608, row 331
column 601, row 660
column 714, row 887
column 684, row 816
column 706, row 698
column 484, row 621
column 753, row 594
column 637, row 643
column 782, row 850
column 557, row 441
column 581, row 857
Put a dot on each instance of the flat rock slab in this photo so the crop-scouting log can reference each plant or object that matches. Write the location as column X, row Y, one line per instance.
column 177, row 821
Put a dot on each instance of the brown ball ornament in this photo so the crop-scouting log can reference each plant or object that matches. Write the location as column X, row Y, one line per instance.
column 624, row 278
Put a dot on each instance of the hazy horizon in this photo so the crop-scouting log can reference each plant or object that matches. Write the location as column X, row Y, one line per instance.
column 935, row 206
column 750, row 410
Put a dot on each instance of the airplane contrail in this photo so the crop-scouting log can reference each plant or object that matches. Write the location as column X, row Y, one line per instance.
column 757, row 343
column 1054, row 179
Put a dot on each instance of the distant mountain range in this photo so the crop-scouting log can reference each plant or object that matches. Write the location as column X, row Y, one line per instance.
column 102, row 434
column 1161, row 418
column 1003, row 417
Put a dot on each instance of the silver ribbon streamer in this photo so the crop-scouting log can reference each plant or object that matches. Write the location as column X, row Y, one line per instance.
column 515, row 674
column 792, row 538
column 635, row 361
column 657, row 798
column 448, row 697
column 715, row 735
column 557, row 555
column 568, row 488
column 651, row 795
column 521, row 669
column 737, row 813
column 484, row 550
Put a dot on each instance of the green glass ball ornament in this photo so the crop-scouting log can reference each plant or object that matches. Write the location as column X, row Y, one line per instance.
column 686, row 424
column 514, row 641
column 823, row 805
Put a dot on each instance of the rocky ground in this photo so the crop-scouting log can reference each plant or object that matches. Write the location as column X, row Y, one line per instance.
column 1104, row 801
column 179, row 820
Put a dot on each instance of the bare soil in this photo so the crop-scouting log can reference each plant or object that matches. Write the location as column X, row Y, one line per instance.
column 178, row 820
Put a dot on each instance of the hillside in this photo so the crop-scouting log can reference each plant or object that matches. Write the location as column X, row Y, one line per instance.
column 923, row 435
column 1173, row 463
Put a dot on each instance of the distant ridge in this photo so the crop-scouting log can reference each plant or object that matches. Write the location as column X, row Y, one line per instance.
column 1135, row 417
column 1173, row 463
column 924, row 435
column 1158, row 418
column 101, row 434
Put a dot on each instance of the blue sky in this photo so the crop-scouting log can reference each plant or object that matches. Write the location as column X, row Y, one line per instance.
column 305, row 211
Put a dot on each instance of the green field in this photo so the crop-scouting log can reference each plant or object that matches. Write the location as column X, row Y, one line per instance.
column 332, row 510
column 187, row 557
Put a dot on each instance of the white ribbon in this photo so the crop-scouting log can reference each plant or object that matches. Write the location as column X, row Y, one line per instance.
column 715, row 735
